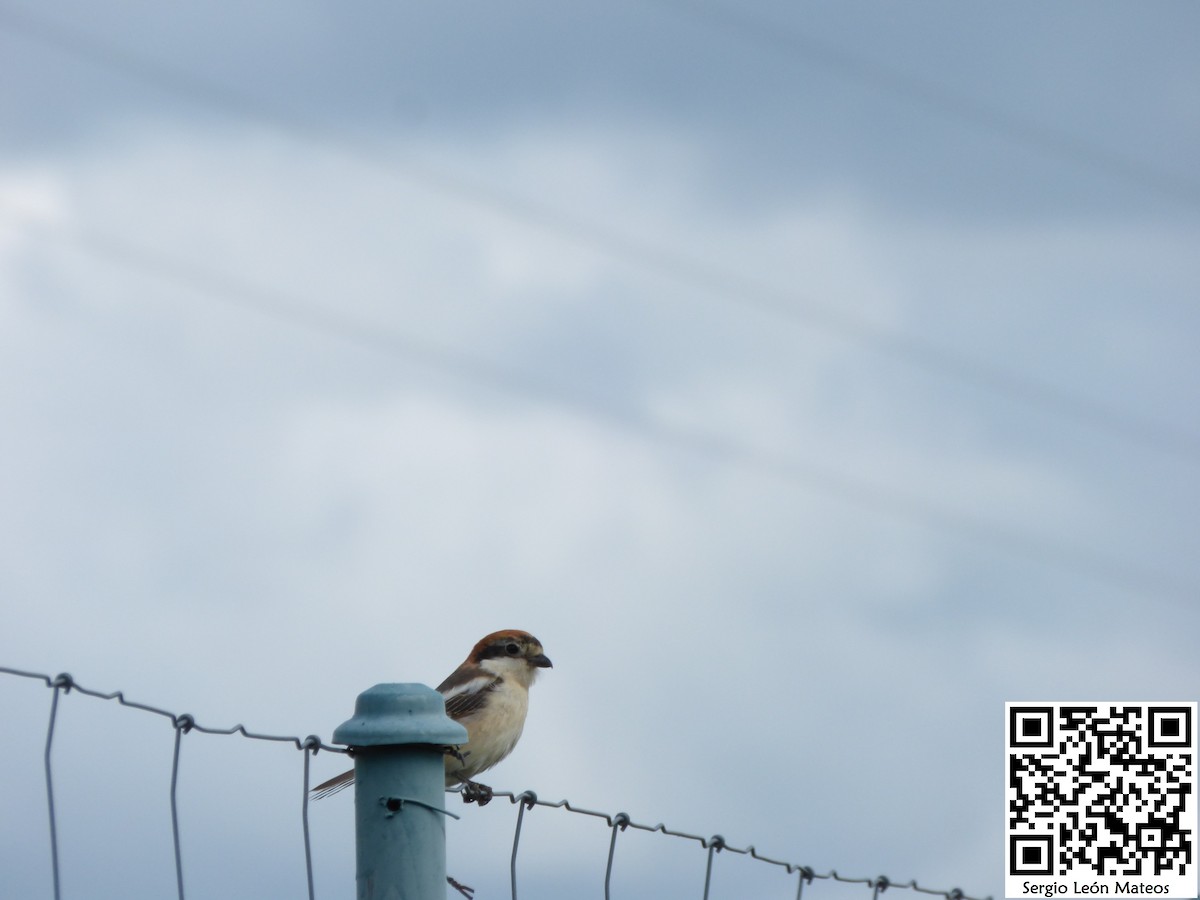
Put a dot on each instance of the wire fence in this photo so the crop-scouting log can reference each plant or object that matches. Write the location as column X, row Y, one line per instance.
column 182, row 723
column 714, row 844
column 525, row 800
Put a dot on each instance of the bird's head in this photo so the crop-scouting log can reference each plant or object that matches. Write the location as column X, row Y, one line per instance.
column 511, row 654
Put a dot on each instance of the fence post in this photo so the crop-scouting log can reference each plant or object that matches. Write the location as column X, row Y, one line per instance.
column 397, row 733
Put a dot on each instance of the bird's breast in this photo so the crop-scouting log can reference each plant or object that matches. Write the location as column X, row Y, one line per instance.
column 492, row 732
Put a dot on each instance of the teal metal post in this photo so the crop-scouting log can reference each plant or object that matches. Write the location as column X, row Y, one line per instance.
column 398, row 732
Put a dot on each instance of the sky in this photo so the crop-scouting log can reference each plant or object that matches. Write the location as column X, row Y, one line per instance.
column 811, row 380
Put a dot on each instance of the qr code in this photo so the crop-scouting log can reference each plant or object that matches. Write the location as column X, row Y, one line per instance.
column 1103, row 794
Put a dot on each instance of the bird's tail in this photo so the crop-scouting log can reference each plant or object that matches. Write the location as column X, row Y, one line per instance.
column 333, row 785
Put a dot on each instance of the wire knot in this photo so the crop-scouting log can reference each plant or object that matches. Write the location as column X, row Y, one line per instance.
column 620, row 820
column 185, row 722
column 528, row 798
column 64, row 681
column 955, row 894
column 716, row 842
column 312, row 742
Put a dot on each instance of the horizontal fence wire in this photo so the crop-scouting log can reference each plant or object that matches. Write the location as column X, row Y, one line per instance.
column 182, row 723
column 67, row 684
column 713, row 844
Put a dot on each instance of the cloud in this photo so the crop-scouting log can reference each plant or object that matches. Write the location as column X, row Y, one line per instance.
column 227, row 507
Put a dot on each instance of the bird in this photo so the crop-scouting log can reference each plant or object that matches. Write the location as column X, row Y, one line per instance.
column 488, row 694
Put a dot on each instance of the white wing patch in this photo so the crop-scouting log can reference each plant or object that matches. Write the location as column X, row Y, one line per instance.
column 476, row 684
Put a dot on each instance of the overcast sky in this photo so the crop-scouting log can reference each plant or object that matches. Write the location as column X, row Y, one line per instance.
column 809, row 380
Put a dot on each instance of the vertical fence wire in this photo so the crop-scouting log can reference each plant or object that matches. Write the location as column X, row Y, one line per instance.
column 311, row 745
column 61, row 683
column 619, row 823
column 806, row 875
column 715, row 843
column 182, row 724
column 526, row 800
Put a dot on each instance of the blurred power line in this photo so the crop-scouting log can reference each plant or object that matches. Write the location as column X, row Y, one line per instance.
column 790, row 42
column 281, row 306
column 706, row 276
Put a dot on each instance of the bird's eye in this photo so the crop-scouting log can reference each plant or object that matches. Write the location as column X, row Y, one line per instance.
column 512, row 649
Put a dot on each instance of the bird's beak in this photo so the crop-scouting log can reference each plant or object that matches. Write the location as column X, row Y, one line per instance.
column 541, row 661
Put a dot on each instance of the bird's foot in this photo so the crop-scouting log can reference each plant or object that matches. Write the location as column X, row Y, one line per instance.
column 474, row 792
column 468, row 892
column 454, row 751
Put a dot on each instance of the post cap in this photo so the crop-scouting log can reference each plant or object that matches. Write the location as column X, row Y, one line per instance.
column 399, row 714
